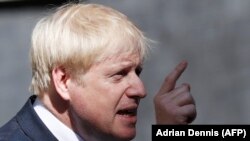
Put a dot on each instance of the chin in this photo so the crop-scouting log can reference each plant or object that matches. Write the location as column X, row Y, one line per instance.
column 127, row 135
column 124, row 138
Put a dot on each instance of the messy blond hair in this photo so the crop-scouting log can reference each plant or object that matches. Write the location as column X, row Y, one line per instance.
column 78, row 35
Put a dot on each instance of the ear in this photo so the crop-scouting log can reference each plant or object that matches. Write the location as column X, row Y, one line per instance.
column 60, row 78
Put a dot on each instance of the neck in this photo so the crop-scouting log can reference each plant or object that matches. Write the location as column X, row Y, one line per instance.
column 57, row 106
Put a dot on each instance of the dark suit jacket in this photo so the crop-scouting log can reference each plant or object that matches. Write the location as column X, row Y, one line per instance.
column 26, row 126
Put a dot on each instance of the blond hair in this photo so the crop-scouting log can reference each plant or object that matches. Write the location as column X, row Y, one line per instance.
column 78, row 35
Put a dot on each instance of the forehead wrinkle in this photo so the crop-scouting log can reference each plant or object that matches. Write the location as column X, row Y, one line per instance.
column 129, row 58
column 126, row 63
column 124, row 60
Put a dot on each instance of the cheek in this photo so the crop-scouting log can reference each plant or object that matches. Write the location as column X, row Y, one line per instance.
column 107, row 94
column 88, row 114
column 97, row 101
column 94, row 106
column 85, row 103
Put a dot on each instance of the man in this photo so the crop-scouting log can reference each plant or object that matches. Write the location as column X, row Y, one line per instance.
column 86, row 61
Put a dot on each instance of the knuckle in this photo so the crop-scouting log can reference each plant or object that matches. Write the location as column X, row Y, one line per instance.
column 182, row 120
column 186, row 86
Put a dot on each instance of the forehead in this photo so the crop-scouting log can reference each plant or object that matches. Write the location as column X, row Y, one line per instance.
column 122, row 59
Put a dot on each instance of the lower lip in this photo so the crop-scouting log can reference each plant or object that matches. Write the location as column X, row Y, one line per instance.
column 128, row 118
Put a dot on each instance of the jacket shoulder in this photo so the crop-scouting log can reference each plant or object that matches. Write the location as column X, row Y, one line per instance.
column 11, row 131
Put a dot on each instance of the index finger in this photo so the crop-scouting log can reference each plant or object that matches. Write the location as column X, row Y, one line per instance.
column 170, row 81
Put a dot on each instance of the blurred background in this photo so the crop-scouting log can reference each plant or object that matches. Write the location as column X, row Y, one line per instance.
column 212, row 35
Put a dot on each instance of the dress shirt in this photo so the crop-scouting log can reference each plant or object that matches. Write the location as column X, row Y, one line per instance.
column 56, row 127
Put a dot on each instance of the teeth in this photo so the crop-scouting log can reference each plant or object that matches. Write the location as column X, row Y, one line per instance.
column 127, row 112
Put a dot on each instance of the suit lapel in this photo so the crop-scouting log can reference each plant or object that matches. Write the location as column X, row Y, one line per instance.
column 32, row 125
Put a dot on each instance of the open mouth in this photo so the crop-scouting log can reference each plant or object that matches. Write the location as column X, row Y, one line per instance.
column 128, row 112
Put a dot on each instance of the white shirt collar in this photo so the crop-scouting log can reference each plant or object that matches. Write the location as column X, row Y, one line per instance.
column 56, row 127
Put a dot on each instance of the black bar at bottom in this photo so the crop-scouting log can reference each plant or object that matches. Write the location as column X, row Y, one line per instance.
column 212, row 132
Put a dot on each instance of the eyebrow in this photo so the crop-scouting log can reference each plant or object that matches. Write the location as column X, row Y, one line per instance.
column 129, row 63
column 125, row 64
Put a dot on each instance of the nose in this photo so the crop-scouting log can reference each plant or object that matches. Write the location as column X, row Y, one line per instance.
column 136, row 87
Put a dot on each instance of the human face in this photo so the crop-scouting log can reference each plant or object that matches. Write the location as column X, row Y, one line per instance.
column 105, row 106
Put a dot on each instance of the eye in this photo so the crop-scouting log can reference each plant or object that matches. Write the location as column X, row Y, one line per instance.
column 138, row 70
column 119, row 75
column 122, row 73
